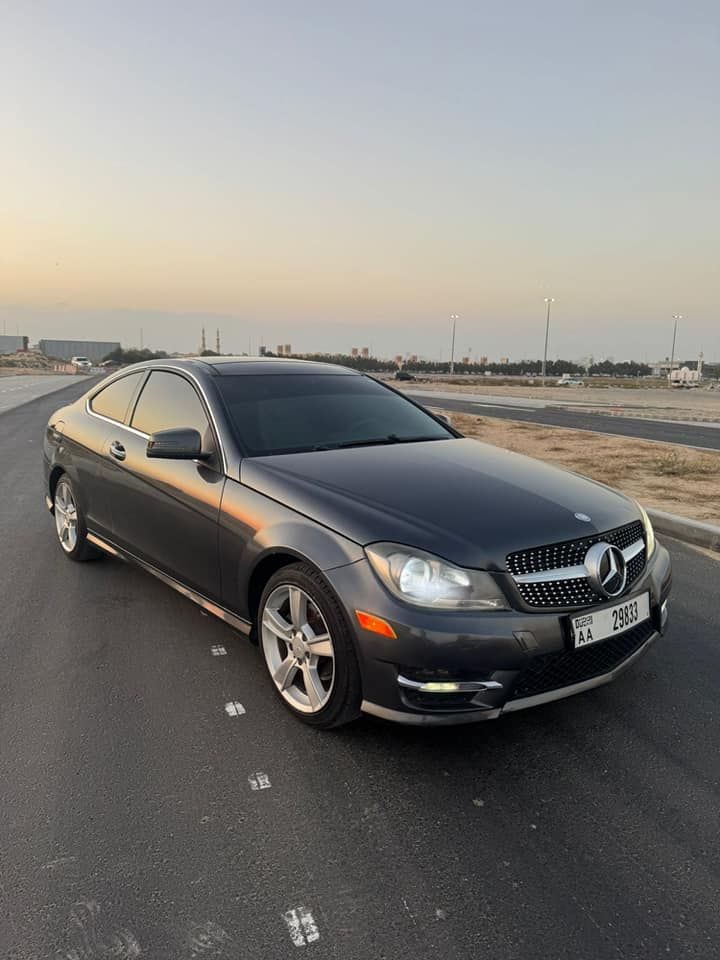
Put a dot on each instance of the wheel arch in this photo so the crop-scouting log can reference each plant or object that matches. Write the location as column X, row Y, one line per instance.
column 267, row 565
column 53, row 478
column 280, row 544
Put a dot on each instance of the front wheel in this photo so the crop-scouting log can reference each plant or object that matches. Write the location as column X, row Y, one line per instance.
column 307, row 647
column 70, row 523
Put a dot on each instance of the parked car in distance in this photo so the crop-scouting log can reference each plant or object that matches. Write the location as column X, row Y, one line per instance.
column 570, row 382
column 382, row 562
column 82, row 364
column 404, row 375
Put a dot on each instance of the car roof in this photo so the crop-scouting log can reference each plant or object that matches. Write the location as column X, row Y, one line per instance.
column 232, row 366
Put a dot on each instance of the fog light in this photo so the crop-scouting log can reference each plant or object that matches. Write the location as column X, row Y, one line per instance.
column 448, row 686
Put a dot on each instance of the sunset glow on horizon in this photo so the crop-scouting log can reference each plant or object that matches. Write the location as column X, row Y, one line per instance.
column 329, row 175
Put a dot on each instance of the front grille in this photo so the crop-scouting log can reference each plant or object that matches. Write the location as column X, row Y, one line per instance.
column 552, row 671
column 576, row 592
column 635, row 567
column 572, row 552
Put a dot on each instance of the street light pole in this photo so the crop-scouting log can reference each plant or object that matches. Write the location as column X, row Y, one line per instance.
column 676, row 317
column 454, row 317
column 548, row 301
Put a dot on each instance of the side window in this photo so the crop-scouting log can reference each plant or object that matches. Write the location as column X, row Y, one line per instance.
column 167, row 402
column 114, row 400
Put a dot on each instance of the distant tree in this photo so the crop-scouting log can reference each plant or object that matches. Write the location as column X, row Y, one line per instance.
column 624, row 368
column 518, row 368
column 369, row 364
column 135, row 356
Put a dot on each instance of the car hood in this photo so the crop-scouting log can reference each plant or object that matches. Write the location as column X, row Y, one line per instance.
column 463, row 500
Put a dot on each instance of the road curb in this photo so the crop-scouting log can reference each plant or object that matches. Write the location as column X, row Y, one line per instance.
column 697, row 532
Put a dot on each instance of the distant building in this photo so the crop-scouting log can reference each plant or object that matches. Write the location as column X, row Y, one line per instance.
column 662, row 369
column 504, row 359
column 398, row 359
column 685, row 375
column 10, row 344
column 354, row 352
column 483, row 361
column 263, row 349
column 465, row 360
column 365, row 352
column 94, row 350
column 413, row 358
column 288, row 350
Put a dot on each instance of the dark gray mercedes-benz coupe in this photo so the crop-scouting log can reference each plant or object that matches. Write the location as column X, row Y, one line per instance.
column 383, row 563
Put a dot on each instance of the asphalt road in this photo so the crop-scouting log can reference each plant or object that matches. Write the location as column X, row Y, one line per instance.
column 16, row 390
column 691, row 434
column 129, row 826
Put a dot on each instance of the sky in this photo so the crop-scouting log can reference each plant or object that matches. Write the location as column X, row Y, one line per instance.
column 335, row 174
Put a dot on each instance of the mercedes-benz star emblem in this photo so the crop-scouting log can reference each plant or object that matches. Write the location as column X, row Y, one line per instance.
column 606, row 569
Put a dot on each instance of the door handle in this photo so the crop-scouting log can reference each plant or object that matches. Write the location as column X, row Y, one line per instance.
column 117, row 450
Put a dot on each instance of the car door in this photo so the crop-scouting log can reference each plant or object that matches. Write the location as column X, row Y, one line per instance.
column 104, row 414
column 166, row 511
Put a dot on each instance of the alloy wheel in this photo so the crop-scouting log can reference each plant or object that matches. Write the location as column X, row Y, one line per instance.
column 66, row 516
column 298, row 648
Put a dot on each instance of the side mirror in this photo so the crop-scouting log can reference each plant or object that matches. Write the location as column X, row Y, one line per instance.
column 181, row 444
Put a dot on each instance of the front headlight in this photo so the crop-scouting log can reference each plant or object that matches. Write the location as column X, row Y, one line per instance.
column 427, row 581
column 649, row 532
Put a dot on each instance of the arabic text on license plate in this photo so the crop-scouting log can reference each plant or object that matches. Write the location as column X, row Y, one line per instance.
column 601, row 624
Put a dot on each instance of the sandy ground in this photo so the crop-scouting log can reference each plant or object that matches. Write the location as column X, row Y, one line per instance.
column 661, row 403
column 676, row 479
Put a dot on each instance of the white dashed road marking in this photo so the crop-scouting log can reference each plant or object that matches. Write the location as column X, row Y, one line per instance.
column 218, row 650
column 259, row 781
column 92, row 940
column 208, row 939
column 409, row 912
column 301, row 926
column 234, row 709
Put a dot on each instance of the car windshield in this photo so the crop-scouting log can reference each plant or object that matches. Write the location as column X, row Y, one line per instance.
column 290, row 413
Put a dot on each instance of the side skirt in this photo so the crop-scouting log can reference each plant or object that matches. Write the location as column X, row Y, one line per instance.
column 215, row 609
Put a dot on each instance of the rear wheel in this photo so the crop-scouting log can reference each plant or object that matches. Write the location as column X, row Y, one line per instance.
column 307, row 647
column 70, row 523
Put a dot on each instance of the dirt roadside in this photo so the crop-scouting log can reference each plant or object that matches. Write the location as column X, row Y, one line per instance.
column 663, row 476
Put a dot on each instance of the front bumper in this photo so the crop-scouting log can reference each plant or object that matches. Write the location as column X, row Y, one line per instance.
column 503, row 661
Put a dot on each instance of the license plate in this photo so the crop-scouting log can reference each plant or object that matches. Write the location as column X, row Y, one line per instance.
column 601, row 624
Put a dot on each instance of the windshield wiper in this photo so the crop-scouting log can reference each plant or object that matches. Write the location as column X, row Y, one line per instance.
column 391, row 438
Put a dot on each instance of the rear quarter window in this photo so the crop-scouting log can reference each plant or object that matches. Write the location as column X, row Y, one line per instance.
column 113, row 401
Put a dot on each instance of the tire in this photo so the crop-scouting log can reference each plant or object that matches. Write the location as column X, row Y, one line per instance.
column 70, row 523
column 306, row 643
